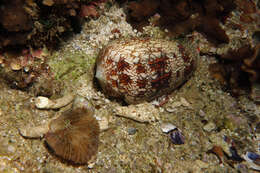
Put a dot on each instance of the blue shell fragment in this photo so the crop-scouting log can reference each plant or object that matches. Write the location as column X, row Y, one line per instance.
column 177, row 137
column 252, row 156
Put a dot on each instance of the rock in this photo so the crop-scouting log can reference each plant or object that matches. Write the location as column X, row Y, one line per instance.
column 209, row 127
column 201, row 164
column 143, row 112
column 131, row 130
column 48, row 2
column 15, row 66
column 185, row 103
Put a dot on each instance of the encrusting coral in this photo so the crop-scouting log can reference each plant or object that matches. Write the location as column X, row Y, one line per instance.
column 240, row 67
column 27, row 70
column 181, row 17
column 38, row 23
column 20, row 26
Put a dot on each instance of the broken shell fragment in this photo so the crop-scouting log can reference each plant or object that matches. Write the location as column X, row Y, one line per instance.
column 143, row 112
column 45, row 103
column 34, row 132
column 177, row 137
column 74, row 136
column 167, row 127
column 253, row 159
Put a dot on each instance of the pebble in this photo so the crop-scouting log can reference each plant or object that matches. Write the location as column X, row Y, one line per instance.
column 202, row 113
column 185, row 103
column 26, row 69
column 201, row 164
column 242, row 168
column 103, row 123
column 15, row 66
column 131, row 130
column 91, row 165
column 209, row 127
column 11, row 149
column 173, row 106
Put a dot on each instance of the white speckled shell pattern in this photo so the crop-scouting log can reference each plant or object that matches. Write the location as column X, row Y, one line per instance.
column 141, row 69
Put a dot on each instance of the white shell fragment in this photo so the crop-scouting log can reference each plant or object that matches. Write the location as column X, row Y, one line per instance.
column 143, row 112
column 103, row 123
column 210, row 127
column 250, row 157
column 45, row 103
column 34, row 132
column 173, row 106
column 185, row 103
column 167, row 127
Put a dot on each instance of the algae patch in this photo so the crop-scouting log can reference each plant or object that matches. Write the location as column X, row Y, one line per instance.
column 69, row 66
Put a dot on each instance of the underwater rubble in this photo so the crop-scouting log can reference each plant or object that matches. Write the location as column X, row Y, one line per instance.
column 209, row 123
column 39, row 23
column 182, row 17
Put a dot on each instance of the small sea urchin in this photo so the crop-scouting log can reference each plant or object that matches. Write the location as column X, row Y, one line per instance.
column 74, row 136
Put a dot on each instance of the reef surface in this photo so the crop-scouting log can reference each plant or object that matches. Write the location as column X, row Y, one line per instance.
column 214, row 130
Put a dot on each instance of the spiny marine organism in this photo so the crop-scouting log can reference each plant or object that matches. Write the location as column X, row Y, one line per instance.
column 142, row 69
column 74, row 136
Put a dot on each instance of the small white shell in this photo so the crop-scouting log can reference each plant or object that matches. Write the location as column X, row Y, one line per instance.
column 45, row 103
column 41, row 102
column 167, row 127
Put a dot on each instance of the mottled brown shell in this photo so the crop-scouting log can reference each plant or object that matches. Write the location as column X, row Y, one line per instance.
column 141, row 69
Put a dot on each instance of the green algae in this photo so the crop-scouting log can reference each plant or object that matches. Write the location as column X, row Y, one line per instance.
column 71, row 65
